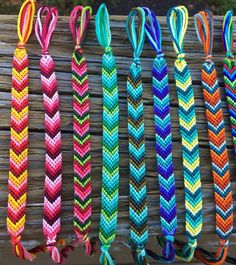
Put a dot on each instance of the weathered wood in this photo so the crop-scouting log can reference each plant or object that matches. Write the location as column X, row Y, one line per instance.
column 61, row 49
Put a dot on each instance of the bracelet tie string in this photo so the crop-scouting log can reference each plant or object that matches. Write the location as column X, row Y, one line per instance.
column 218, row 148
column 177, row 20
column 110, row 158
column 163, row 133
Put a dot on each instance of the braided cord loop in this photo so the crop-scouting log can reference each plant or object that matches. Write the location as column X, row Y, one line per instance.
column 137, row 183
column 53, row 160
column 217, row 140
column 18, row 167
column 229, row 72
column 81, row 135
column 110, row 170
column 163, row 133
column 177, row 20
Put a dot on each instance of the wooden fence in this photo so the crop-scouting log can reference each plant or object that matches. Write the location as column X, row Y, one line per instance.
column 61, row 50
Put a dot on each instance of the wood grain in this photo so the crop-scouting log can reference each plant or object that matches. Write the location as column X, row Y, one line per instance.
column 61, row 49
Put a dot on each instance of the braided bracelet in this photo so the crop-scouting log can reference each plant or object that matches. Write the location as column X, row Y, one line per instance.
column 177, row 19
column 81, row 135
column 110, row 169
column 53, row 159
column 137, row 183
column 229, row 71
column 165, row 170
column 18, row 168
column 217, row 140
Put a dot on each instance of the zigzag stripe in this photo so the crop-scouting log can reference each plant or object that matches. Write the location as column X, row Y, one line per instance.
column 229, row 74
column 18, row 172
column 218, row 150
column 190, row 150
column 137, row 183
column 82, row 155
column 53, row 158
column 164, row 147
column 110, row 171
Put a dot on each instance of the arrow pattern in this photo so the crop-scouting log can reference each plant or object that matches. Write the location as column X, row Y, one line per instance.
column 18, row 172
column 53, row 159
column 82, row 155
column 165, row 169
column 229, row 74
column 190, row 150
column 219, row 153
column 18, row 165
column 137, row 182
column 110, row 169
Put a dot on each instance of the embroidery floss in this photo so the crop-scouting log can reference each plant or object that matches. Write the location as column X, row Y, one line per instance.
column 165, row 170
column 217, row 140
column 18, row 169
column 177, row 20
column 137, row 183
column 53, row 159
column 110, row 170
column 229, row 71
column 81, row 136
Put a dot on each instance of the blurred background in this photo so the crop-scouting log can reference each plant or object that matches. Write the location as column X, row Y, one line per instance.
column 122, row 7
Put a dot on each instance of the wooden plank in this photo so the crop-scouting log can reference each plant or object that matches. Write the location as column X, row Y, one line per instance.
column 61, row 49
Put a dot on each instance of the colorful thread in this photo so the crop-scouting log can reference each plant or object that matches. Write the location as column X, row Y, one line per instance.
column 18, row 169
column 110, row 169
column 163, row 133
column 177, row 20
column 79, row 19
column 53, row 158
column 229, row 71
column 217, row 140
column 137, row 183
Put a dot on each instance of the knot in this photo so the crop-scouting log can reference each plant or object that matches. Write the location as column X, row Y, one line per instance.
column 136, row 60
column 208, row 58
column 141, row 252
column 21, row 45
column 108, row 49
column 15, row 240
column 78, row 48
column 170, row 238
column 105, row 248
column 192, row 244
column 180, row 56
column 229, row 54
column 160, row 54
column 45, row 52
column 224, row 243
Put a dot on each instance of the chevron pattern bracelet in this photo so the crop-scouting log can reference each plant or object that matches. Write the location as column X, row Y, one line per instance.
column 161, row 99
column 217, row 140
column 177, row 20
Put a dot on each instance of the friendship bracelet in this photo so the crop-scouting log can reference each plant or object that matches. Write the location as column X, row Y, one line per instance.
column 137, row 183
column 217, row 140
column 177, row 20
column 110, row 169
column 53, row 159
column 81, row 136
column 163, row 133
column 18, row 168
column 229, row 71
